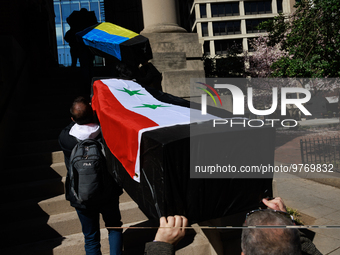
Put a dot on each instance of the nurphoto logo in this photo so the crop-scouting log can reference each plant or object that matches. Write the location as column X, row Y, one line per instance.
column 238, row 103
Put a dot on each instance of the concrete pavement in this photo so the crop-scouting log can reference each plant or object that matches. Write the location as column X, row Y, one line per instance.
column 318, row 204
column 319, row 122
column 318, row 201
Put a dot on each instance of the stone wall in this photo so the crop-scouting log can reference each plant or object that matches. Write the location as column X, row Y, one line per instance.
column 178, row 57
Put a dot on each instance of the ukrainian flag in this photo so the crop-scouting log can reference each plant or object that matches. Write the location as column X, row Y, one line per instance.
column 110, row 39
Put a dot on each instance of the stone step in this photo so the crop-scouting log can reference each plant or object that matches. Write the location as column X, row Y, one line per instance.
column 30, row 190
column 26, row 174
column 22, row 148
column 58, row 225
column 38, row 135
column 42, row 228
column 59, row 90
column 200, row 245
column 192, row 243
column 40, row 207
column 70, row 244
column 44, row 188
column 34, row 182
column 35, row 208
column 131, row 213
column 52, row 99
column 33, row 160
column 47, row 113
column 43, row 124
column 124, row 197
column 59, row 103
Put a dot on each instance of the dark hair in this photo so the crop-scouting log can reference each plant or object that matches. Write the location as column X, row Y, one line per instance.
column 274, row 241
column 81, row 111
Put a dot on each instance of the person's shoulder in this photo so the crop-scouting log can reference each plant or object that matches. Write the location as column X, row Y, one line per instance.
column 159, row 248
column 67, row 129
column 67, row 141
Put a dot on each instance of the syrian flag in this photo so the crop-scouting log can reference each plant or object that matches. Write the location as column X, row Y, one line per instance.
column 126, row 110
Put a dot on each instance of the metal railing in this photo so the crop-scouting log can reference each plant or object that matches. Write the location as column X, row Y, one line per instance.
column 321, row 151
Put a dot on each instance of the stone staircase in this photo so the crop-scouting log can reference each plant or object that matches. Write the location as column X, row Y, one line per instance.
column 35, row 217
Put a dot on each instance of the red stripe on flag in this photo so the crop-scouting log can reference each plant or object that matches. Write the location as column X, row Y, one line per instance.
column 119, row 126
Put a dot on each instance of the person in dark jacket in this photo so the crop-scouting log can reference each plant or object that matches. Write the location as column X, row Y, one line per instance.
column 254, row 241
column 171, row 231
column 277, row 205
column 84, row 126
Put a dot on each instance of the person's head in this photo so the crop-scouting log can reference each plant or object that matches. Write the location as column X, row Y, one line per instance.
column 81, row 111
column 274, row 241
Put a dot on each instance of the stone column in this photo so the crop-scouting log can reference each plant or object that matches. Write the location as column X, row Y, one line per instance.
column 176, row 53
column 160, row 17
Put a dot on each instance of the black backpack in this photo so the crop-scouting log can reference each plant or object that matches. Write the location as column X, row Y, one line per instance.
column 88, row 173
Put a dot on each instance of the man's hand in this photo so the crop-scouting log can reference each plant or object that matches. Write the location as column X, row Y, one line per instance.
column 275, row 204
column 172, row 229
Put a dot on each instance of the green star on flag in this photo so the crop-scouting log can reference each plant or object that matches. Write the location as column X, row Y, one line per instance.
column 152, row 106
column 131, row 92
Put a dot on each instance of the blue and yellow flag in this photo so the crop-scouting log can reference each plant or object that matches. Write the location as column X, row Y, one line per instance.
column 123, row 44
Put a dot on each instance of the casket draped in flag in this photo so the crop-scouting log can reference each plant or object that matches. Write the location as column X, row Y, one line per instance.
column 151, row 158
column 107, row 39
column 126, row 110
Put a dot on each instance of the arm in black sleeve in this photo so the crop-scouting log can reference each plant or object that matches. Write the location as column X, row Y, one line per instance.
column 307, row 246
column 159, row 248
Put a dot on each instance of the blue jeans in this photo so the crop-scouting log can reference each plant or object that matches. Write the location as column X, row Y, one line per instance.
column 89, row 219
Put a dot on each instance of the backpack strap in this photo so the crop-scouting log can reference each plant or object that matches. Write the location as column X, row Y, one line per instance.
column 82, row 142
column 97, row 141
column 71, row 172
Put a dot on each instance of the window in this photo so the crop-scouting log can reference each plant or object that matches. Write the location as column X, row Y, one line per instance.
column 219, row 28
column 225, row 9
column 66, row 27
column 67, row 9
column 85, row 5
column 203, row 10
column 192, row 19
column 206, row 47
column 222, row 46
column 63, row 9
column 227, row 28
column 257, row 7
column 279, row 6
column 205, row 29
column 96, row 8
column 59, row 34
column 250, row 47
column 57, row 13
column 252, row 25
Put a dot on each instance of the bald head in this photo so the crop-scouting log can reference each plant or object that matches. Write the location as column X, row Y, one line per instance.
column 81, row 111
column 275, row 241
